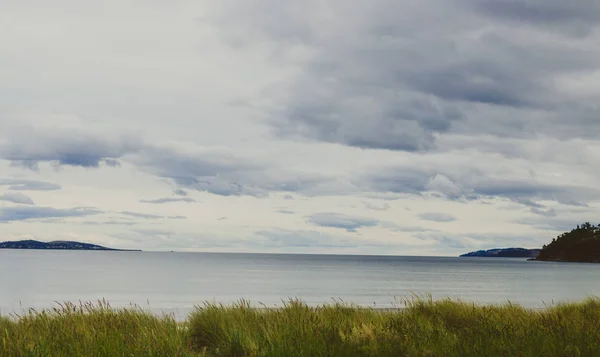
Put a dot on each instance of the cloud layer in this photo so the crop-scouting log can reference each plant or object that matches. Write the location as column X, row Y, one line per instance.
column 397, row 127
column 437, row 217
column 22, row 213
column 71, row 144
column 431, row 69
column 338, row 220
column 17, row 198
column 28, row 185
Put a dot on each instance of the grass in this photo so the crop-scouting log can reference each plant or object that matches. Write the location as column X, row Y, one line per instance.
column 92, row 330
column 423, row 328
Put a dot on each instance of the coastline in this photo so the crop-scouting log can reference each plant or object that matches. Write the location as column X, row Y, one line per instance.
column 58, row 245
column 77, row 250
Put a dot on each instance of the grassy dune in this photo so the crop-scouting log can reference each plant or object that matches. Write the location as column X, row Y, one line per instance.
column 423, row 328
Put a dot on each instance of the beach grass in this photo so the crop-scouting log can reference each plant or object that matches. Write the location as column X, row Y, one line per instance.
column 422, row 327
column 92, row 330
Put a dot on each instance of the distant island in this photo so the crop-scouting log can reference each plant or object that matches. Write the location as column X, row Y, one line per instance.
column 57, row 245
column 504, row 253
column 581, row 244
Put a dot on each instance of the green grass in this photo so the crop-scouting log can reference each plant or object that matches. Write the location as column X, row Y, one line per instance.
column 92, row 330
column 423, row 328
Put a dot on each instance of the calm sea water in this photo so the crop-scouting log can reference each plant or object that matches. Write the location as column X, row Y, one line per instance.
column 176, row 282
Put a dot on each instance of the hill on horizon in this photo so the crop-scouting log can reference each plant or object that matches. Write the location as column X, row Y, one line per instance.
column 504, row 253
column 56, row 245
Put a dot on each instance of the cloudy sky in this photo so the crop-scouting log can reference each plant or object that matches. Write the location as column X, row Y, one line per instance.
column 383, row 127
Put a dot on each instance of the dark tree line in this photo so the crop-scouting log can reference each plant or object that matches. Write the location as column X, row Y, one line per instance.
column 581, row 244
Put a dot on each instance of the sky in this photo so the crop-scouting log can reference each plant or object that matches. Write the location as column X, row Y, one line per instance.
column 402, row 127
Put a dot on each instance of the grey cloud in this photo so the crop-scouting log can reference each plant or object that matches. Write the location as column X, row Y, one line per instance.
column 395, row 129
column 384, row 207
column 28, row 185
column 500, row 72
column 384, row 196
column 17, row 198
column 338, row 220
column 411, row 180
column 169, row 200
column 24, row 163
column 573, row 18
column 412, row 229
column 224, row 173
column 149, row 216
column 23, row 213
column 65, row 145
column 442, row 184
column 518, row 189
column 402, row 81
column 110, row 223
column 141, row 215
column 463, row 82
column 437, row 217
column 212, row 171
column 187, row 166
column 286, row 211
column 180, row 192
column 464, row 181
column 556, row 147
column 537, row 208
column 529, row 203
column 544, row 212
column 111, row 162
column 220, row 172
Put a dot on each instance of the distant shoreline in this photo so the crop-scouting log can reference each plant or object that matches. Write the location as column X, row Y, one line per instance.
column 81, row 250
column 504, row 253
column 59, row 245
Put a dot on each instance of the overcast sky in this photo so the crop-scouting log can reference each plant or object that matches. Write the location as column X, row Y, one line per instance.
column 403, row 127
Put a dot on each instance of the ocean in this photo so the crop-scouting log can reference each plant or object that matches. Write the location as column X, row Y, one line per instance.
column 176, row 282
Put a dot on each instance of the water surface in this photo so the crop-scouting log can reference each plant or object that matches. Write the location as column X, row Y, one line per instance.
column 175, row 282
